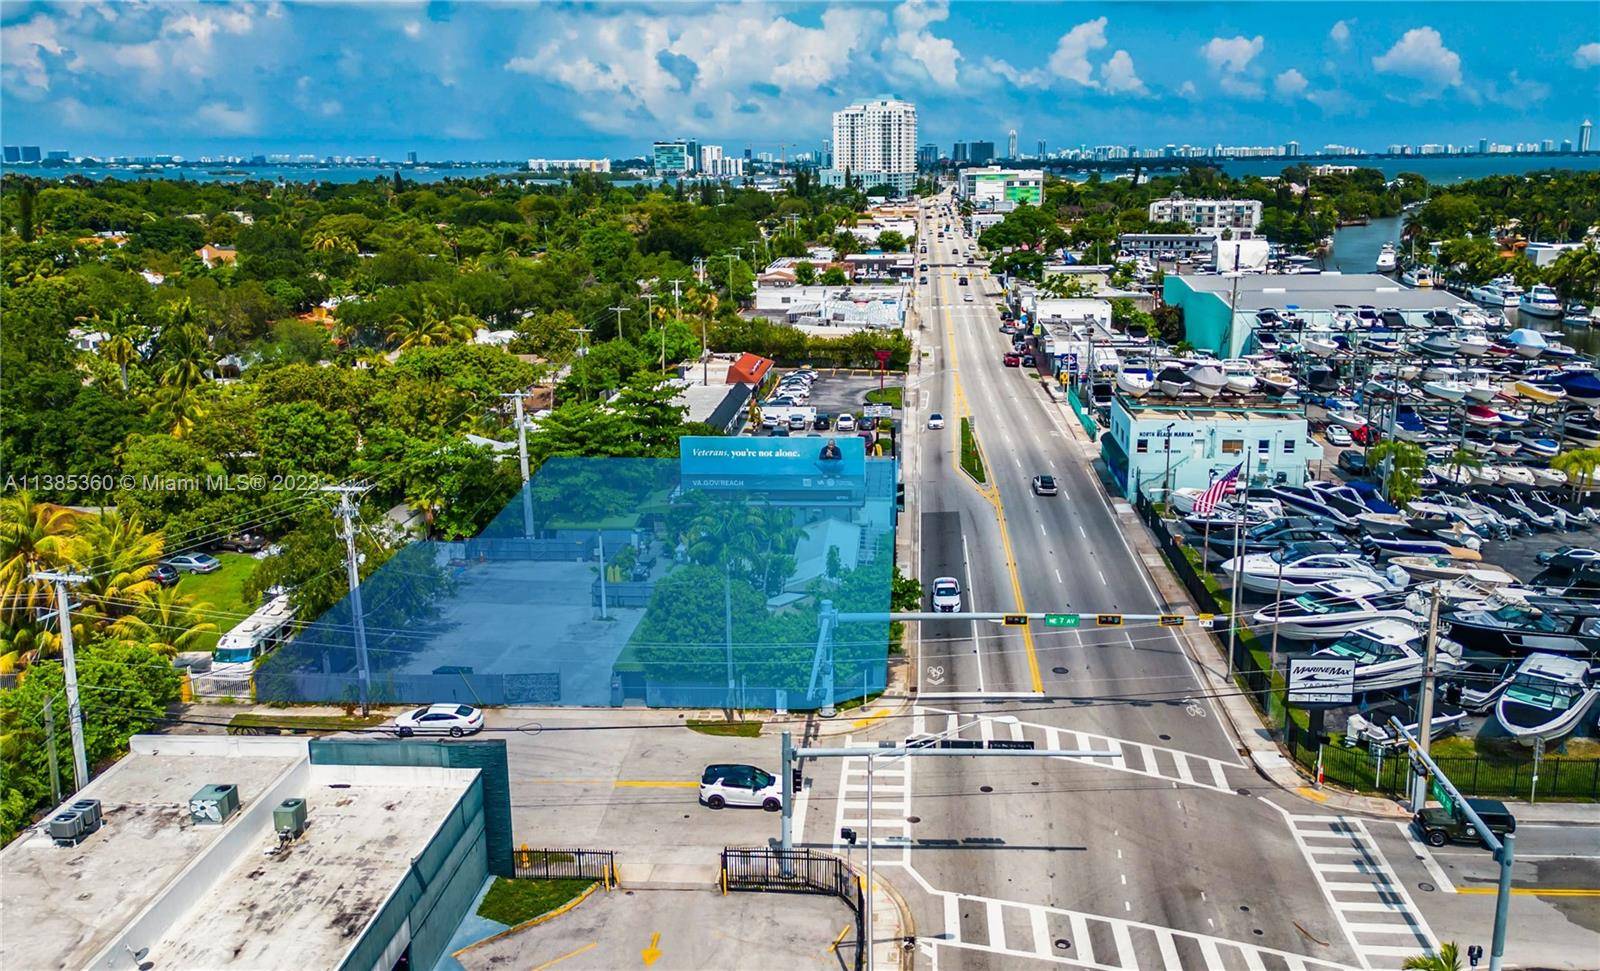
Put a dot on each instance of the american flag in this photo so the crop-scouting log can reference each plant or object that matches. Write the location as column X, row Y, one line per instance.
column 1215, row 492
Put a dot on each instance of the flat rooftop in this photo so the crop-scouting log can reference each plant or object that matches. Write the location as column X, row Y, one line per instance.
column 218, row 895
column 1319, row 291
column 1168, row 410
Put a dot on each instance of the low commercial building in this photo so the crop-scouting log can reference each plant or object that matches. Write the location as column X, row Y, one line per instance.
column 1236, row 217
column 198, row 862
column 1166, row 247
column 985, row 187
column 851, row 307
column 1151, row 448
column 717, row 390
column 1209, row 325
column 878, row 265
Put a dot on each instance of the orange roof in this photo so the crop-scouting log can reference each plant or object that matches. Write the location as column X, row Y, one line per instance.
column 748, row 369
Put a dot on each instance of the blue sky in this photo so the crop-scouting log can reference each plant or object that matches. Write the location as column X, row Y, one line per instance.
column 482, row 80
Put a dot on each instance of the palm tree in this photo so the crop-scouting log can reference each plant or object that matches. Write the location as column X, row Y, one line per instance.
column 123, row 330
column 1580, row 465
column 326, row 242
column 1464, row 458
column 1447, row 958
column 1400, row 464
column 177, row 408
column 186, row 348
column 33, row 536
column 166, row 620
column 118, row 556
column 432, row 327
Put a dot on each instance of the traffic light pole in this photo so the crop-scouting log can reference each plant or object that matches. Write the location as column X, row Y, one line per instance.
column 1502, row 847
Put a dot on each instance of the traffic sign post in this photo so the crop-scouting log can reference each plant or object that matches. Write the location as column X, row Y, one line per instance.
column 1062, row 620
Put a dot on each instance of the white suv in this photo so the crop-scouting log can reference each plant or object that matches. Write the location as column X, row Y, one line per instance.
column 740, row 785
column 946, row 595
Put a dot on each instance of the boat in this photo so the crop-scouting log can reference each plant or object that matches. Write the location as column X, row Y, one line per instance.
column 1473, row 343
column 1539, row 625
column 1372, row 726
column 1539, row 301
column 1311, row 502
column 1386, row 259
column 1134, row 381
column 1515, row 475
column 1277, row 383
column 1173, row 381
column 1321, row 344
column 1581, row 386
column 1483, row 474
column 1480, row 386
column 1461, row 565
column 1577, row 315
column 1544, row 394
column 1299, row 567
column 1499, row 292
column 1334, row 608
column 1539, row 445
column 1417, row 275
column 1526, row 342
column 1548, row 478
column 1208, row 378
column 1240, row 375
column 1482, row 415
column 1547, row 698
column 1442, row 345
column 1391, row 654
column 1271, row 534
column 1447, row 389
column 1512, row 418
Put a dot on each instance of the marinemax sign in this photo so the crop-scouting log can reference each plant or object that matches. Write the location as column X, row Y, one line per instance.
column 1321, row 681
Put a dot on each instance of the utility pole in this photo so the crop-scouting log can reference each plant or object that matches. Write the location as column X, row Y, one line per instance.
column 732, row 258
column 522, row 458
column 50, row 737
column 583, row 339
column 1277, row 604
column 619, row 311
column 69, row 664
column 1425, row 722
column 348, row 512
column 1166, row 477
column 700, row 269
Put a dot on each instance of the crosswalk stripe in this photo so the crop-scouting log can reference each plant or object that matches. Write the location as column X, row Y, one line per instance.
column 1147, row 758
column 1213, row 956
column 1406, row 929
column 1362, row 906
column 1217, row 777
column 1125, row 955
column 986, row 730
column 1393, row 952
column 952, row 915
column 1080, row 938
column 1252, row 959
column 1355, row 888
column 952, row 726
column 1041, row 931
column 1016, row 731
column 997, row 925
column 1169, row 953
column 1052, row 738
column 1183, row 769
column 919, row 722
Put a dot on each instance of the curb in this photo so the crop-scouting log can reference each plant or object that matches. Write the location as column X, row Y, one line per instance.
column 535, row 922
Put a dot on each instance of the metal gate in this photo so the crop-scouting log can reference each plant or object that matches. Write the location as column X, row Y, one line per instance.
column 798, row 871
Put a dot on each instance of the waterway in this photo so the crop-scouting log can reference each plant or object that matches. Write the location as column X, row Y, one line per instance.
column 1437, row 169
column 341, row 174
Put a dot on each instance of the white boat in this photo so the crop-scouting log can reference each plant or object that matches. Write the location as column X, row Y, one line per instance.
column 1481, row 386
column 1334, row 608
column 1386, row 258
column 1391, row 654
column 1540, row 301
column 1173, row 381
column 1547, row 697
column 1499, row 292
column 1277, row 383
column 1182, row 500
column 1548, row 477
column 1240, row 375
column 1417, row 275
column 1208, row 378
column 1483, row 474
column 1300, row 567
column 1473, row 343
column 1134, row 380
column 1515, row 475
column 1467, row 565
column 1447, row 389
column 1320, row 344
column 1527, row 342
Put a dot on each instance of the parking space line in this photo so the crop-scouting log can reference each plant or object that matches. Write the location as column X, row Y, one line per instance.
column 570, row 954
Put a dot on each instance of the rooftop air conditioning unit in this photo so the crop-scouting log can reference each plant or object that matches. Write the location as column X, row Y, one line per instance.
column 66, row 827
column 90, row 810
column 214, row 803
column 289, row 818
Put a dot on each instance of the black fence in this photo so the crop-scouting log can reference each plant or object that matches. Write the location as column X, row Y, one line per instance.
column 798, row 871
column 566, row 864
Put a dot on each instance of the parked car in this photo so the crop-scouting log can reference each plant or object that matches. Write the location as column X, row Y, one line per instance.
column 194, row 562
column 1568, row 556
column 1365, row 435
column 936, row 420
column 846, row 422
column 243, row 542
column 164, row 574
column 1012, row 360
column 867, row 423
column 962, row 281
column 946, row 595
column 1440, row 826
column 781, row 430
column 1027, row 360
column 769, row 421
column 1353, row 462
column 1045, row 485
column 966, row 298
column 446, row 719
column 822, row 422
column 740, row 785
column 1337, row 435
column 923, row 280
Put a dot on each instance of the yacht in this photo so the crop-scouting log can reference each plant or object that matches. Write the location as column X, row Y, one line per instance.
column 1334, row 608
column 1391, row 654
column 1447, row 389
column 1547, row 697
column 1266, row 536
column 1134, row 379
column 1417, row 275
column 1540, row 301
column 1499, row 292
column 1526, row 342
column 1173, row 381
column 1297, row 568
column 1386, row 258
column 1277, row 383
column 1539, row 625
column 1461, row 565
column 1441, row 345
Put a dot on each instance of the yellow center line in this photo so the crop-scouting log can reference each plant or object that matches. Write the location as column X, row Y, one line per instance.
column 570, row 954
column 991, row 492
column 1535, row 891
column 656, row 784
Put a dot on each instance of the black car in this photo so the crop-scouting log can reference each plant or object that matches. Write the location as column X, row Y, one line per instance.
column 867, row 423
column 1027, row 360
column 962, row 281
column 1353, row 462
column 164, row 575
column 822, row 422
column 1440, row 826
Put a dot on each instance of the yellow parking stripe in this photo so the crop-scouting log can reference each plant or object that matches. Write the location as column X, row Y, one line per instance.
column 873, row 716
column 655, row 784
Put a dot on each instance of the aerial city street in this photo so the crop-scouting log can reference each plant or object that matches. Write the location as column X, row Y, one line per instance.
column 817, row 485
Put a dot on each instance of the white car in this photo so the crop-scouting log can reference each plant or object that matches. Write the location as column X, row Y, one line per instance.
column 740, row 785
column 452, row 720
column 1337, row 435
column 194, row 563
column 936, row 420
column 967, row 298
column 846, row 422
column 946, row 595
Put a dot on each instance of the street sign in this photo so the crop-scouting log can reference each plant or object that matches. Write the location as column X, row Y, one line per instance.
column 1016, row 620
column 960, row 743
column 1444, row 797
column 1321, row 681
column 1205, row 620
column 1013, row 744
column 877, row 411
column 1170, row 620
column 1108, row 620
column 1062, row 620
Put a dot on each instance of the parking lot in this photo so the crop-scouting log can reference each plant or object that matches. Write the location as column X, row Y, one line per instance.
column 833, row 394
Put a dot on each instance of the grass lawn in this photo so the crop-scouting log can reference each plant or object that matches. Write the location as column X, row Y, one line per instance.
column 744, row 729
column 243, row 723
column 221, row 593
column 893, row 397
column 513, row 901
column 971, row 459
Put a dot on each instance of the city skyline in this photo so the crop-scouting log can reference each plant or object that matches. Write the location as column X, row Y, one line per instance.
column 194, row 80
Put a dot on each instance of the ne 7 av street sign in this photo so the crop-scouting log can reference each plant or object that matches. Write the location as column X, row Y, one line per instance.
column 1321, row 681
column 1062, row 620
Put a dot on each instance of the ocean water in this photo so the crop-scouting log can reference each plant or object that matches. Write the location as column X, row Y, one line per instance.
column 1437, row 169
column 275, row 173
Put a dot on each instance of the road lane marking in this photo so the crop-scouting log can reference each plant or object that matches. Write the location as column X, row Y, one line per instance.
column 570, row 954
column 1535, row 891
column 872, row 716
column 656, row 784
column 1440, row 879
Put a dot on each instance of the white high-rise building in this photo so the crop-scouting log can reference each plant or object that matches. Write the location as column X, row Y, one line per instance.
column 1585, row 132
column 1011, row 144
column 875, row 143
column 711, row 159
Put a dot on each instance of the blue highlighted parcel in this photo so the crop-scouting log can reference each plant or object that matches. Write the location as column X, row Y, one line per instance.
column 715, row 580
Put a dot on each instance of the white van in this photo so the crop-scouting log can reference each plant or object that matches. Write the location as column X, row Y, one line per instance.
column 255, row 636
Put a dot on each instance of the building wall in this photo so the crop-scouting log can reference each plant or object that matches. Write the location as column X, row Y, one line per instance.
column 1002, row 185
column 877, row 141
column 1274, row 448
column 1205, row 315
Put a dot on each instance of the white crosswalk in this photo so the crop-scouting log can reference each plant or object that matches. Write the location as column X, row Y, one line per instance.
column 1121, row 755
column 1081, row 940
column 1370, row 902
column 891, row 798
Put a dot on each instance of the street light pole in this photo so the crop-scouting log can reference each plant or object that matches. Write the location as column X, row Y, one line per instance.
column 522, row 460
column 1425, row 720
column 1166, row 477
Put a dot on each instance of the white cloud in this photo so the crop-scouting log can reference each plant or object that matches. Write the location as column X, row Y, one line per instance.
column 1232, row 55
column 1290, row 84
column 412, row 29
column 1420, row 55
column 21, row 47
column 1241, row 86
column 915, row 50
column 1119, row 77
column 1340, row 34
column 1071, row 58
column 1516, row 92
column 993, row 68
column 1188, row 90
column 227, row 118
column 1587, row 55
